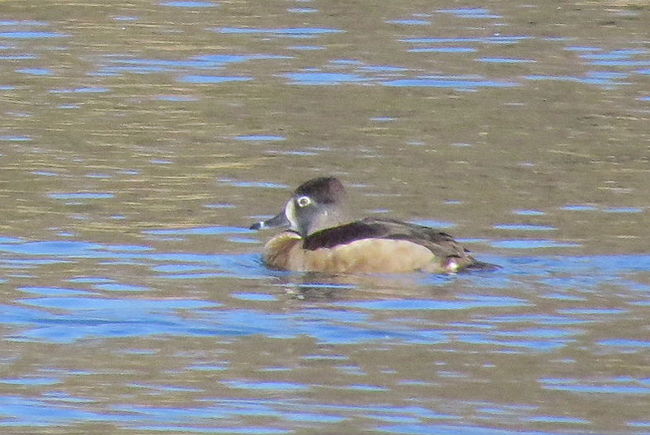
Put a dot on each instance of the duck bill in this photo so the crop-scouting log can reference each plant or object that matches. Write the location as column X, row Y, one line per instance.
column 280, row 220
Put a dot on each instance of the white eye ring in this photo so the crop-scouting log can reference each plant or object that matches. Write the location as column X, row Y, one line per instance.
column 303, row 201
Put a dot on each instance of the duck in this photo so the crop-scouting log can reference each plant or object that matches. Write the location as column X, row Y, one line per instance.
column 318, row 237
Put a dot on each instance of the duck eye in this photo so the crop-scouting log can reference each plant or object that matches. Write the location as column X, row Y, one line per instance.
column 303, row 201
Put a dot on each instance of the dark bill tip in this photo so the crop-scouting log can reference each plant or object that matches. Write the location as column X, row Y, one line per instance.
column 280, row 220
column 256, row 226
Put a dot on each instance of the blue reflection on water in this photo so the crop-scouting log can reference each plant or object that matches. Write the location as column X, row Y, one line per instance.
column 81, row 195
column 470, row 13
column 444, row 429
column 593, row 80
column 410, row 22
column 212, row 79
column 207, row 62
column 36, row 71
column 504, row 60
column 533, row 244
column 198, row 230
column 623, row 386
column 14, row 23
column 323, row 78
column 92, row 309
column 39, row 412
column 32, row 35
column 306, row 47
column 529, row 212
column 15, row 138
column 260, row 137
column 451, row 82
column 85, row 90
column 443, row 50
column 303, row 10
column 501, row 39
column 524, row 227
column 464, row 303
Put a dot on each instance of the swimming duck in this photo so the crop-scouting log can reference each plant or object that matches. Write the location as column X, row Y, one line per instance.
column 320, row 239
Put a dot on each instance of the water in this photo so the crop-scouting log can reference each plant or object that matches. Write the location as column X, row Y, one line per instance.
column 139, row 140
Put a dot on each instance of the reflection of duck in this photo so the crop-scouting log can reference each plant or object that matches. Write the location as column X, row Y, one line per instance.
column 319, row 240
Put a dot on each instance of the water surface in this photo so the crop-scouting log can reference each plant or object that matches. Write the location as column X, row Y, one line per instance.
column 138, row 140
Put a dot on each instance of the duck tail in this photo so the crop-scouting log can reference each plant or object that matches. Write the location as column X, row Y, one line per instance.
column 482, row 266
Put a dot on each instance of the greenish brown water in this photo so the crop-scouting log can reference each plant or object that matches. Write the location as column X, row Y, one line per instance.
column 138, row 140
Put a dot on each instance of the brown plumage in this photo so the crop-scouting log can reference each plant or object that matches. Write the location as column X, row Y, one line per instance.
column 320, row 240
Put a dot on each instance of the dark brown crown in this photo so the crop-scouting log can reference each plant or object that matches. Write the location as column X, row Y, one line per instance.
column 323, row 190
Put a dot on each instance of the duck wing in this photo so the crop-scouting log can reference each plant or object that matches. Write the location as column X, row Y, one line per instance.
column 438, row 242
